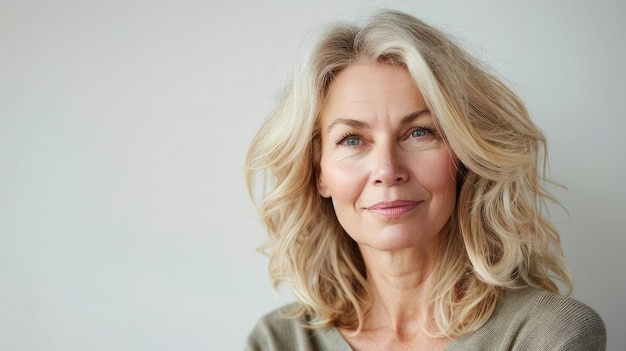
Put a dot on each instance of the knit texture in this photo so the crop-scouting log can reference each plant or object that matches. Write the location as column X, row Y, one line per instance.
column 526, row 319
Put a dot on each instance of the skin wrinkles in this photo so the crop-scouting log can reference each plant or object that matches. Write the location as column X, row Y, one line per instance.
column 361, row 124
column 385, row 157
column 392, row 183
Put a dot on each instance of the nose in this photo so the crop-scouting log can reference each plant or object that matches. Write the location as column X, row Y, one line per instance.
column 388, row 165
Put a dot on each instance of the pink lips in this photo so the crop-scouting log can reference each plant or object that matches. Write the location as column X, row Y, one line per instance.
column 393, row 209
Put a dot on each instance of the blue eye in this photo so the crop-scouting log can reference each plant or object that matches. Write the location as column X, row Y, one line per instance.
column 349, row 139
column 420, row 132
column 352, row 141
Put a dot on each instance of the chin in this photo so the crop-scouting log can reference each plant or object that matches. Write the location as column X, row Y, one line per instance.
column 388, row 240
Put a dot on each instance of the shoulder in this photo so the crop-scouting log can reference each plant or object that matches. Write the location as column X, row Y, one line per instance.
column 542, row 308
column 274, row 331
column 278, row 331
column 532, row 319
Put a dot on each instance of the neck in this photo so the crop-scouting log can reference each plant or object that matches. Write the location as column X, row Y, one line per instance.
column 401, row 283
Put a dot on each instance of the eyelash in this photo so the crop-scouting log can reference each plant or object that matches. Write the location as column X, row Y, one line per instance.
column 347, row 136
column 429, row 130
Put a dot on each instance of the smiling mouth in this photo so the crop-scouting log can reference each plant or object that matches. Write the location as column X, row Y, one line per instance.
column 393, row 209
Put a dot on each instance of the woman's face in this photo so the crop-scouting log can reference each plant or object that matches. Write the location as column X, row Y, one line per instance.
column 389, row 175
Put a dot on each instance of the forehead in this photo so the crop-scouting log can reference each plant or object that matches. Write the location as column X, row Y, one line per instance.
column 371, row 89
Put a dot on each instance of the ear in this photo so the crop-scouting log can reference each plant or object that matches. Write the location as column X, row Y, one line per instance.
column 322, row 188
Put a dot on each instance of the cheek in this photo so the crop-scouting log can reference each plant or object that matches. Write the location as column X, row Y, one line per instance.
column 342, row 181
column 438, row 174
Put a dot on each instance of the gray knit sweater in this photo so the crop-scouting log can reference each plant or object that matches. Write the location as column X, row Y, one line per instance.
column 527, row 319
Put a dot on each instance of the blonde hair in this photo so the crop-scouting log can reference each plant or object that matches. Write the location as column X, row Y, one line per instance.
column 497, row 239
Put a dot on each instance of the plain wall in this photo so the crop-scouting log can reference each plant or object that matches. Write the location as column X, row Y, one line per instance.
column 124, row 224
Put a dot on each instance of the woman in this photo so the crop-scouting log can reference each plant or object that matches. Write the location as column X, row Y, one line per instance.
column 405, row 204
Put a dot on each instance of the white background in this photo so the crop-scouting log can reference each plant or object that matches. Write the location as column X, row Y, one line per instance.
column 124, row 224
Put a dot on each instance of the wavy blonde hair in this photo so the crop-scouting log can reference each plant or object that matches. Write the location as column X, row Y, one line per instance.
column 497, row 239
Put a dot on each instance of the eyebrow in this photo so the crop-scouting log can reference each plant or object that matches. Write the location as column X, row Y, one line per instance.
column 360, row 124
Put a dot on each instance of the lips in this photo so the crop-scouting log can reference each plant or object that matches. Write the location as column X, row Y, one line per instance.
column 393, row 209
